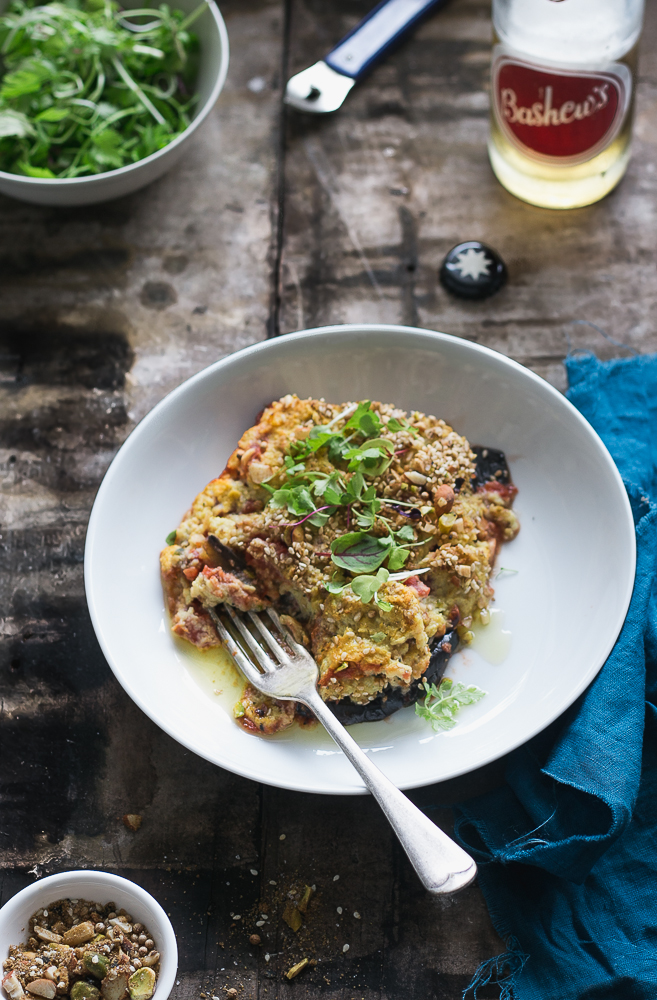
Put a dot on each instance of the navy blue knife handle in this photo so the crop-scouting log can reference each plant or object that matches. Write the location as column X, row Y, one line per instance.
column 375, row 34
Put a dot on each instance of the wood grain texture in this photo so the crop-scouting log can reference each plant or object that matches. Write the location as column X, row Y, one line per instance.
column 377, row 195
column 273, row 222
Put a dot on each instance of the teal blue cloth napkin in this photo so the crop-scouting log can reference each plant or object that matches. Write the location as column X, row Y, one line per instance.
column 567, row 848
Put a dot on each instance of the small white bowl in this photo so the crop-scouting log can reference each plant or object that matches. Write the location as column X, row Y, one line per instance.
column 61, row 191
column 98, row 887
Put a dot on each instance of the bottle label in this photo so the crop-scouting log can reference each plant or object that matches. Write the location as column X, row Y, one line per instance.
column 560, row 116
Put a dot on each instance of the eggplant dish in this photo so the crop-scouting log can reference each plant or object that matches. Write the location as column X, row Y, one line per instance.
column 371, row 530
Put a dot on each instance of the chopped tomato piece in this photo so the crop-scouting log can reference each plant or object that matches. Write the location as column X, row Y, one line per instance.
column 416, row 584
column 506, row 490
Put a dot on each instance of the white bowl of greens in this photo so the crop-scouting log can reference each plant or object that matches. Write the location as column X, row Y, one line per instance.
column 98, row 100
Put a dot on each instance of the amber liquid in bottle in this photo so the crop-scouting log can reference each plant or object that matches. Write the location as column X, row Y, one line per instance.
column 563, row 185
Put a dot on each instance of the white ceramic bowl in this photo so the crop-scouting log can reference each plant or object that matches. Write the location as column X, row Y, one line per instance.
column 98, row 887
column 213, row 37
column 564, row 603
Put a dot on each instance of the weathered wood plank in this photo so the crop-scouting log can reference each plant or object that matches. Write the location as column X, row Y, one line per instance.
column 104, row 310
column 376, row 195
column 107, row 308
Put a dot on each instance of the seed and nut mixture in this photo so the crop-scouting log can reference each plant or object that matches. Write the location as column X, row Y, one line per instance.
column 84, row 951
column 369, row 528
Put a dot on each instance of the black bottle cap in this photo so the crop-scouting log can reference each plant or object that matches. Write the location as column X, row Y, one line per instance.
column 473, row 270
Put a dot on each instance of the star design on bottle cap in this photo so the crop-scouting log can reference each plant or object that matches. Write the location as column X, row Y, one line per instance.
column 473, row 264
column 472, row 270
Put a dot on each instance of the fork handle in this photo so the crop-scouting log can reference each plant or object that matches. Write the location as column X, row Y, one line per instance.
column 442, row 866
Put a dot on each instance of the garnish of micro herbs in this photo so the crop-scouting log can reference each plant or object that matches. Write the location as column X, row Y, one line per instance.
column 442, row 702
column 317, row 496
column 366, row 587
column 89, row 87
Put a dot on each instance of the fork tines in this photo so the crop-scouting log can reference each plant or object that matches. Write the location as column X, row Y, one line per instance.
column 263, row 658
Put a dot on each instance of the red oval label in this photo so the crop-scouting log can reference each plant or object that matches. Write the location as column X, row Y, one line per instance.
column 559, row 115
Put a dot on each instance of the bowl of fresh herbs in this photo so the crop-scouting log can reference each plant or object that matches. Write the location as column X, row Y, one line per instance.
column 97, row 99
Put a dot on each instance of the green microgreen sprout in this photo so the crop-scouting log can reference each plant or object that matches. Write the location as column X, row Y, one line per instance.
column 171, row 537
column 336, row 586
column 88, row 87
column 365, row 587
column 443, row 701
column 396, row 425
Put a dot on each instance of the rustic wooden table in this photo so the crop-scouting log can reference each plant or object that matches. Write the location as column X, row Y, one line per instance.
column 273, row 222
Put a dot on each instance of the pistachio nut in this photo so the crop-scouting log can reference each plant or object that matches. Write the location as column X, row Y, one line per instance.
column 141, row 984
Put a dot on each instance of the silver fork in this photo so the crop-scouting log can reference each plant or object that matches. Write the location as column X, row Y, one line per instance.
column 291, row 674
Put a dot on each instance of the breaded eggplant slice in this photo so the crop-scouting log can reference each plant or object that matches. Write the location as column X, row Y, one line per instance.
column 233, row 547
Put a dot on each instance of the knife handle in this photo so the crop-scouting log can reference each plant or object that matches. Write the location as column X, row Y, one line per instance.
column 375, row 34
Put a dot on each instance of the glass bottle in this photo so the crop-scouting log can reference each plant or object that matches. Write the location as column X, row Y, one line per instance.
column 563, row 80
